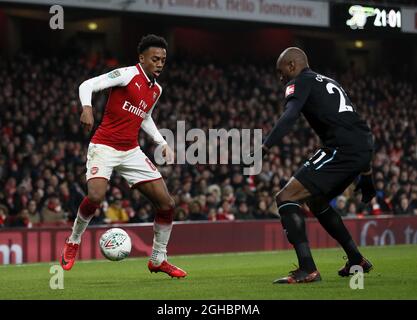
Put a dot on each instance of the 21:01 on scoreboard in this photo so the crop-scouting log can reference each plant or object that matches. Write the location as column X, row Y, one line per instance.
column 365, row 17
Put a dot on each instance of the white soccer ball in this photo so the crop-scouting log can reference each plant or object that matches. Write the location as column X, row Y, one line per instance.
column 115, row 244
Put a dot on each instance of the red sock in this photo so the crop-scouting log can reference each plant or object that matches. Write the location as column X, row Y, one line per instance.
column 88, row 208
column 164, row 216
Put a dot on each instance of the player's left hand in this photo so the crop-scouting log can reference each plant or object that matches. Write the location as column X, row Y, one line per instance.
column 168, row 154
column 367, row 187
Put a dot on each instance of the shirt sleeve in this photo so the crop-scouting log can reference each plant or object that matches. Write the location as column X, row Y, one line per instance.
column 298, row 89
column 117, row 77
column 296, row 94
column 149, row 126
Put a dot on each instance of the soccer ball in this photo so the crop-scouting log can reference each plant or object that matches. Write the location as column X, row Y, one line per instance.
column 115, row 244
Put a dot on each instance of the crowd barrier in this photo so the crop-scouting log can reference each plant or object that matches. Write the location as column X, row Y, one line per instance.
column 45, row 244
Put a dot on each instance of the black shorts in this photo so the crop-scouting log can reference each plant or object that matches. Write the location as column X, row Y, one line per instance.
column 330, row 171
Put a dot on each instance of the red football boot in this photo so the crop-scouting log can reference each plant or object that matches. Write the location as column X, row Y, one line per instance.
column 68, row 255
column 168, row 268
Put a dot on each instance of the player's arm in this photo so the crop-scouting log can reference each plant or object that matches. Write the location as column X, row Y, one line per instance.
column 118, row 77
column 149, row 126
column 296, row 95
column 285, row 123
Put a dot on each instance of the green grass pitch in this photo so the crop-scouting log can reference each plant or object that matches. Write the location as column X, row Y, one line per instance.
column 242, row 276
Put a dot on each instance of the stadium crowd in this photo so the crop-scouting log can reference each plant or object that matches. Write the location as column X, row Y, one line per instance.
column 43, row 148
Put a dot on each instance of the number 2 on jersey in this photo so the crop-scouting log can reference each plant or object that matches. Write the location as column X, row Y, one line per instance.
column 343, row 107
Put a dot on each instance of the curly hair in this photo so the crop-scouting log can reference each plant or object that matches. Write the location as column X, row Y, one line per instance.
column 151, row 40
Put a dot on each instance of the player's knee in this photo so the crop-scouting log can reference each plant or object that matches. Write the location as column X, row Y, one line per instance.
column 96, row 197
column 281, row 197
column 318, row 206
column 167, row 204
column 170, row 203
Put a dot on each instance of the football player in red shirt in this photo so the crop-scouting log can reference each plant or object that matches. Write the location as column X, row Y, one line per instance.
column 114, row 146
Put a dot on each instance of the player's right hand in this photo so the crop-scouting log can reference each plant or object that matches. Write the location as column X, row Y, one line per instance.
column 87, row 118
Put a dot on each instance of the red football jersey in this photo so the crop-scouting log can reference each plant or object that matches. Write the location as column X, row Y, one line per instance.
column 131, row 99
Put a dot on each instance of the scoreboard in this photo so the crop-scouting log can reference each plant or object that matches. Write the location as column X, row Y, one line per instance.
column 366, row 17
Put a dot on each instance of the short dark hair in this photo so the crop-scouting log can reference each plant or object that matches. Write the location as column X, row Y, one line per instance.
column 151, row 40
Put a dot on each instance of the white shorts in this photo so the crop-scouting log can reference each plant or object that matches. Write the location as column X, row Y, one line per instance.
column 133, row 165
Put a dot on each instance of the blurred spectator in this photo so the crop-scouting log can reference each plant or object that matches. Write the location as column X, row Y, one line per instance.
column 228, row 194
column 375, row 207
column 341, row 206
column 262, row 212
column 140, row 216
column 243, row 212
column 180, row 214
column 3, row 215
column 202, row 200
column 20, row 220
column 195, row 212
column 52, row 212
column 212, row 214
column 215, row 192
column 115, row 213
column 413, row 202
column 43, row 148
column 352, row 210
column 404, row 207
column 34, row 214
column 225, row 211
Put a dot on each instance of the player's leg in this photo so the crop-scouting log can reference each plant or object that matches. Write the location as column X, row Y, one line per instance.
column 288, row 203
column 327, row 174
column 157, row 192
column 142, row 174
column 333, row 224
column 96, row 192
column 100, row 162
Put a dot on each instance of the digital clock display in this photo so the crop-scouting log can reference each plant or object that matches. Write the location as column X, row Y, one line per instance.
column 366, row 17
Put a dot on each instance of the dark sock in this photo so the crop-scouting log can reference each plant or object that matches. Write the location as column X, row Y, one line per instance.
column 333, row 224
column 352, row 252
column 88, row 208
column 305, row 258
column 293, row 222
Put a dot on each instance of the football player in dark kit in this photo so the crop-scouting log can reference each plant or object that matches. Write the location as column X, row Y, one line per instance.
column 346, row 154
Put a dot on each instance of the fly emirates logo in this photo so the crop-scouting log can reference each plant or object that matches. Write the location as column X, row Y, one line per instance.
column 139, row 111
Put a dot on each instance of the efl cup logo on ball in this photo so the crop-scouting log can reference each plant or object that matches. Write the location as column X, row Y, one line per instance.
column 115, row 244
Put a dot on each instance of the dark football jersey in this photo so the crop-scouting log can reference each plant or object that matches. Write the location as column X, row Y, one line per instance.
column 329, row 112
